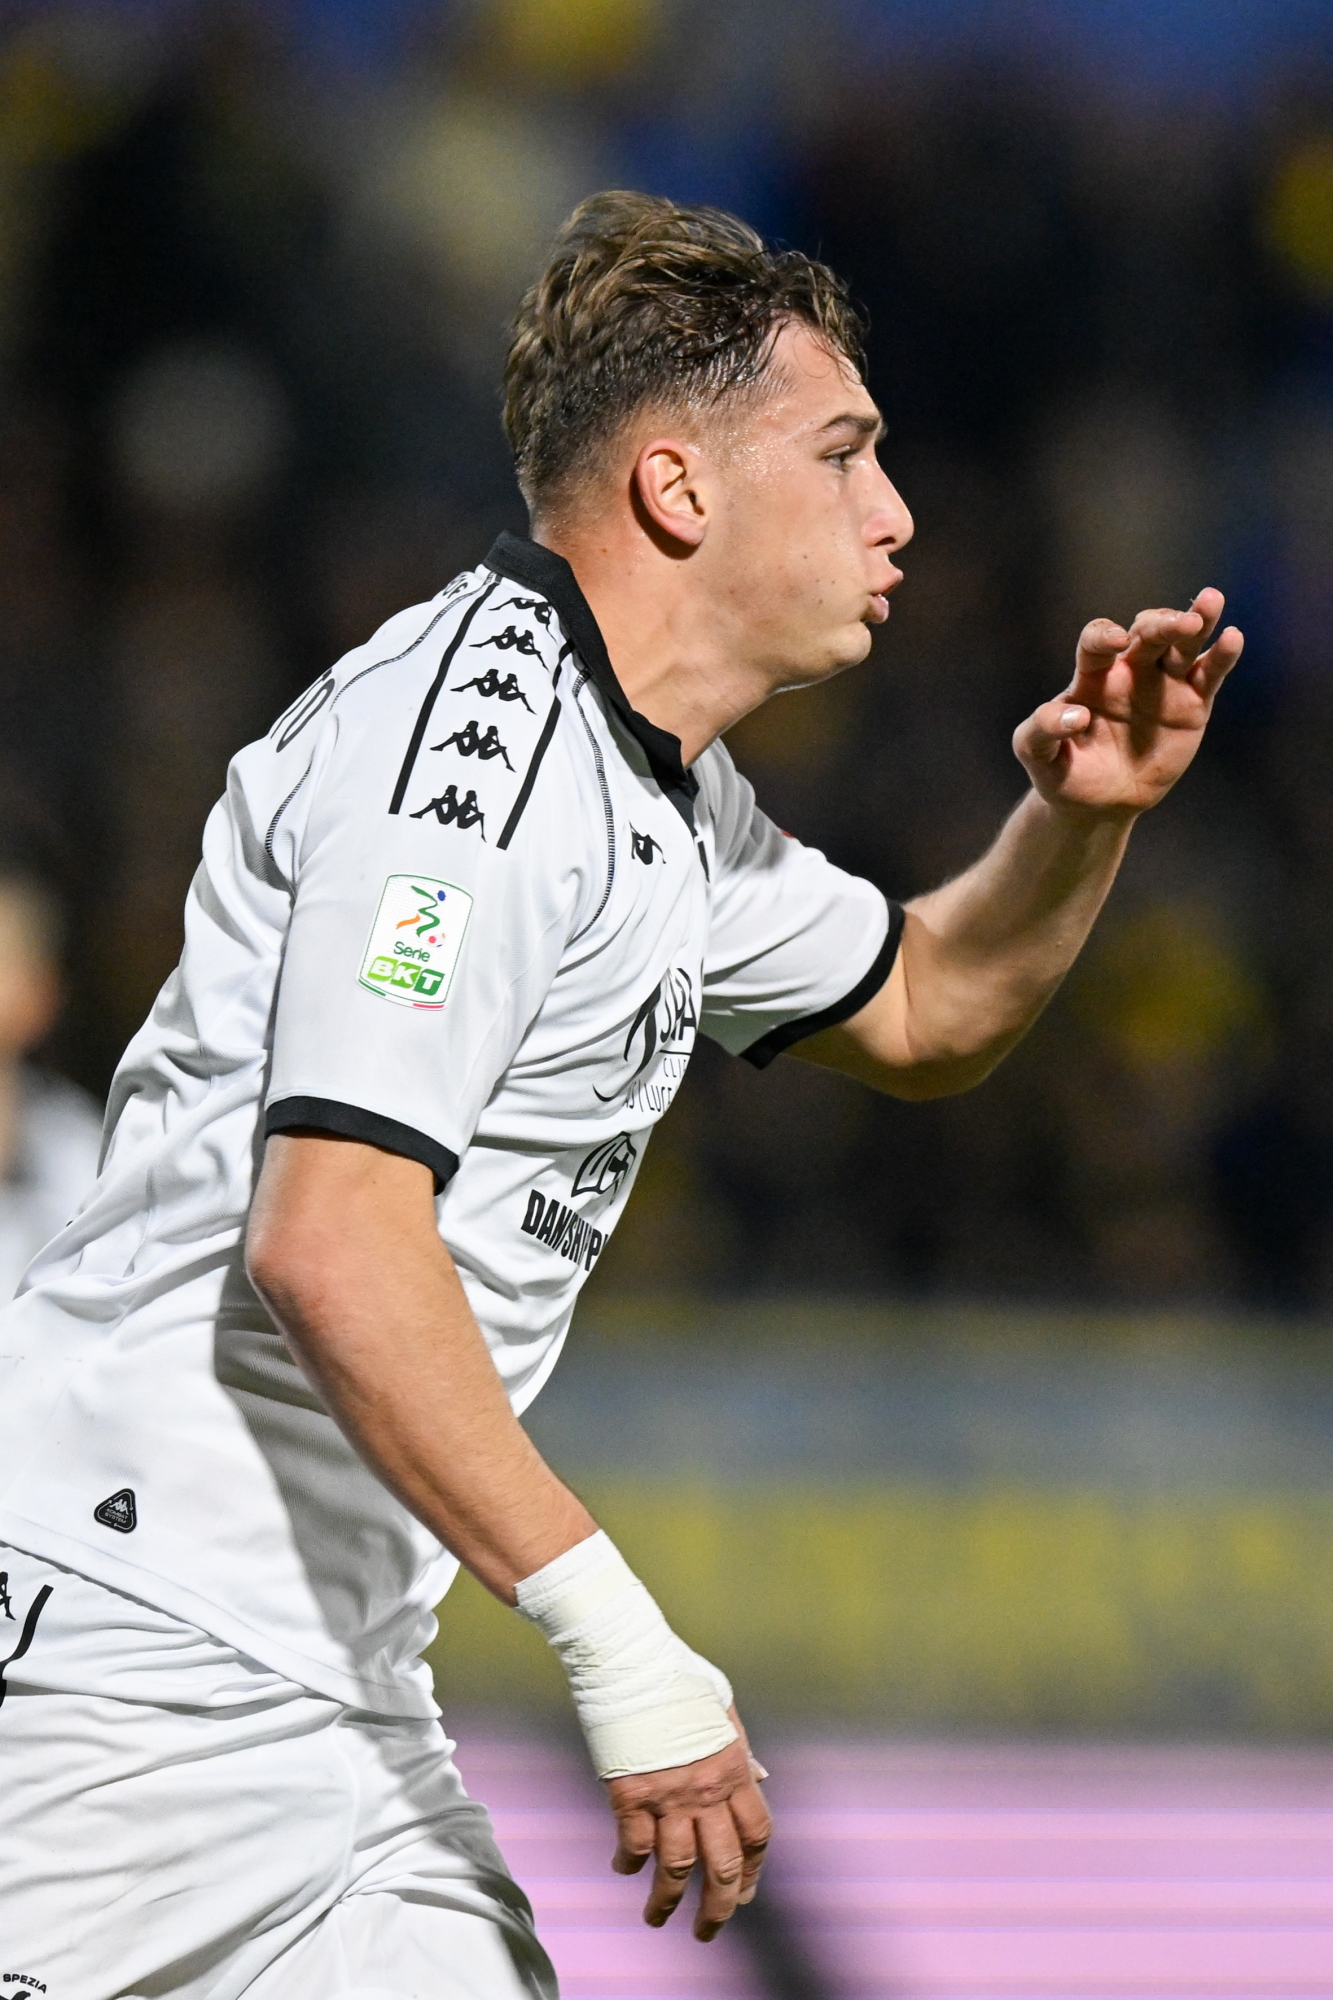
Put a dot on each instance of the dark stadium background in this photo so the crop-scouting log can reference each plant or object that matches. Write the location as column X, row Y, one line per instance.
column 1010, row 1414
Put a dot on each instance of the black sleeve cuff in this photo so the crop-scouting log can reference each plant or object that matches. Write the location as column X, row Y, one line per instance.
column 762, row 1052
column 349, row 1121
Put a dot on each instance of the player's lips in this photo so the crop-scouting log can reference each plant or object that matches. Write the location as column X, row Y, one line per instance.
column 879, row 600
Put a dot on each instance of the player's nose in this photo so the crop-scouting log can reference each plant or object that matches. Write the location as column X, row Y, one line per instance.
column 890, row 526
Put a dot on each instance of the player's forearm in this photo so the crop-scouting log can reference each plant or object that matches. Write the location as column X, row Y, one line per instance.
column 983, row 955
column 344, row 1251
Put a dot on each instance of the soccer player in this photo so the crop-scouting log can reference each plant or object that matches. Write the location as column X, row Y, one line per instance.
column 458, row 921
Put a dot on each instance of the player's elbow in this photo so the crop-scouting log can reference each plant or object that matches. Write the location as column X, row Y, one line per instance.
column 291, row 1265
column 939, row 1076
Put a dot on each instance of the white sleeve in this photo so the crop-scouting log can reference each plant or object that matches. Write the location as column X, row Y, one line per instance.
column 418, row 954
column 795, row 944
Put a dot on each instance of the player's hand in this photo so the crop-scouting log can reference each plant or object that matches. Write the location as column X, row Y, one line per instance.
column 1134, row 714
column 710, row 1812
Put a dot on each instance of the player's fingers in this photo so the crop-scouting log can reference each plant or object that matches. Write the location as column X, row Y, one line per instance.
column 1166, row 639
column 755, row 1830
column 1040, row 739
column 1210, row 605
column 723, row 1861
column 676, row 1855
column 636, row 1839
column 1098, row 644
column 1214, row 665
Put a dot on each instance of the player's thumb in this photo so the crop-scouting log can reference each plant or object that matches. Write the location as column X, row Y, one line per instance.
column 1047, row 729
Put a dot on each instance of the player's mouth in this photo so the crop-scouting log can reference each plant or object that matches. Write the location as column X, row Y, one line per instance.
column 879, row 600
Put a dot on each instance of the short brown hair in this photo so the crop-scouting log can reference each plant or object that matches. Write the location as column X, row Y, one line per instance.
column 644, row 303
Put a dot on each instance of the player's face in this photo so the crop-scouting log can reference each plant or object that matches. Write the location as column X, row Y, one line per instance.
column 810, row 522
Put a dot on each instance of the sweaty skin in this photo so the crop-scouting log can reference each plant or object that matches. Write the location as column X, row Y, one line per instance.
column 726, row 558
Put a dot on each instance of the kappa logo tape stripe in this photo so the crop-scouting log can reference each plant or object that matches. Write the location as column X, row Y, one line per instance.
column 432, row 694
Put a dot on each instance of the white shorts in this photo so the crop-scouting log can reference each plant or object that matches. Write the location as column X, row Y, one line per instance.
column 180, row 1823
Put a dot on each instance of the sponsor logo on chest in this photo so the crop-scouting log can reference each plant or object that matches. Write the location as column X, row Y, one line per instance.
column 567, row 1233
column 657, row 1048
column 601, row 1173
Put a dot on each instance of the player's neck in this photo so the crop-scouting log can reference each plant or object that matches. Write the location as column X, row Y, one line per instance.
column 672, row 643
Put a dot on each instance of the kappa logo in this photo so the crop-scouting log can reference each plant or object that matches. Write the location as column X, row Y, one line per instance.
column 6, row 1601
column 538, row 606
column 605, row 1169
column 491, row 688
column 511, row 640
column 450, row 810
column 469, row 742
column 644, row 847
column 119, row 1511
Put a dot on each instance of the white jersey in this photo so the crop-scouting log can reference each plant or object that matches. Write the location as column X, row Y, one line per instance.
column 462, row 903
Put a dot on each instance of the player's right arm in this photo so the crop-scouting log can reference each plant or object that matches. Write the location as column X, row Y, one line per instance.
column 344, row 1249
column 982, row 955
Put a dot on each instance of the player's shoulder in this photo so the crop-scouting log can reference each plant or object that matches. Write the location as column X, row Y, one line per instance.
column 373, row 684
column 480, row 738
column 455, row 716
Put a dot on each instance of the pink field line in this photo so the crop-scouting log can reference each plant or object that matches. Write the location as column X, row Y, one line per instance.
column 1006, row 1873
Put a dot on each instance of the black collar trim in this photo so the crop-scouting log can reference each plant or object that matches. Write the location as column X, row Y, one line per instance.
column 541, row 569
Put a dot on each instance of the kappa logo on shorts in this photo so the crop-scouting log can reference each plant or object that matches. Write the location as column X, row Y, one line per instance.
column 119, row 1511
column 6, row 1601
column 412, row 951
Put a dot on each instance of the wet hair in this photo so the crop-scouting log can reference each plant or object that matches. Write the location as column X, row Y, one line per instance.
column 645, row 304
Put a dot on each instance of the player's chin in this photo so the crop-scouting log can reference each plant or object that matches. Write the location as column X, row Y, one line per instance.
column 857, row 642
column 845, row 648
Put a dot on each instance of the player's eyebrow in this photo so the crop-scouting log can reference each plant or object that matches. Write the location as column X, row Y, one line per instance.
column 858, row 421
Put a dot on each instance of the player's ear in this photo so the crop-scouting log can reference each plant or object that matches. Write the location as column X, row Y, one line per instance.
column 668, row 491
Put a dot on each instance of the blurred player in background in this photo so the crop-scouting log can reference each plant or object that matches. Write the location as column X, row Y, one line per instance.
column 459, row 920
column 50, row 1131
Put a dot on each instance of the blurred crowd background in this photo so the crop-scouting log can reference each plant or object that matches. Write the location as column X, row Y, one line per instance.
column 255, row 266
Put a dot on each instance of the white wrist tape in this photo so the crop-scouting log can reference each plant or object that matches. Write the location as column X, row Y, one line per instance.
column 644, row 1701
